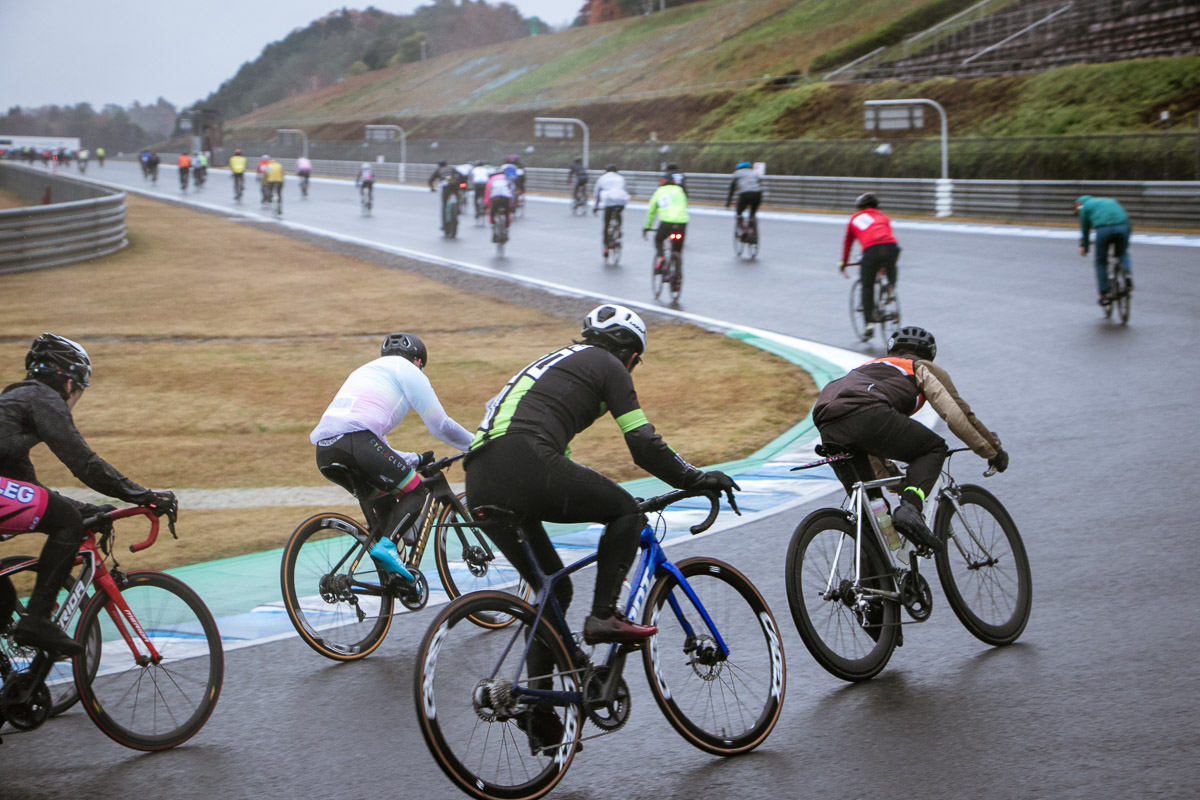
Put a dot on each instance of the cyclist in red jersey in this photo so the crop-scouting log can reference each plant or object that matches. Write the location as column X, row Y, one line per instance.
column 873, row 231
column 38, row 409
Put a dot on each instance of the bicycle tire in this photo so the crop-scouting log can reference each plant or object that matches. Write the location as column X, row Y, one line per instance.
column 451, row 229
column 657, row 278
column 146, row 705
column 675, row 268
column 465, row 572
column 17, row 658
column 736, row 701
column 457, row 729
column 857, row 323
column 1122, row 298
column 738, row 244
column 833, row 632
column 969, row 582
column 318, row 600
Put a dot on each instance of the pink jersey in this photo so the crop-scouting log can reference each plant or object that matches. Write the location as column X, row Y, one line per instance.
column 21, row 505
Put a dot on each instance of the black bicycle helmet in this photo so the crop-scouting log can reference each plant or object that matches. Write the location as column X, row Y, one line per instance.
column 615, row 328
column 914, row 341
column 866, row 200
column 407, row 346
column 610, row 168
column 56, row 355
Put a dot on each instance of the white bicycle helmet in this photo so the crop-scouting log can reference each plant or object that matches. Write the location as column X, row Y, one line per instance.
column 616, row 326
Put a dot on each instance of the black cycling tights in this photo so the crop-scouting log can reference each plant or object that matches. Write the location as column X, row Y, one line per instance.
column 518, row 474
column 885, row 433
column 64, row 528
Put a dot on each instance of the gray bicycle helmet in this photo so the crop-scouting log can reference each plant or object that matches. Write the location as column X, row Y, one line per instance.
column 913, row 341
column 615, row 328
column 407, row 346
column 52, row 354
column 866, row 200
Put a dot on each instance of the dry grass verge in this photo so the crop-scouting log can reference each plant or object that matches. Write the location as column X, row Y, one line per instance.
column 217, row 344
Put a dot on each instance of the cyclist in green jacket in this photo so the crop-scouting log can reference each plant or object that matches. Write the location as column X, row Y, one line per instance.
column 1112, row 226
column 669, row 204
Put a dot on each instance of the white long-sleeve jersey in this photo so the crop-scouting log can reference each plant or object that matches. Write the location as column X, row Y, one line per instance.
column 610, row 190
column 377, row 396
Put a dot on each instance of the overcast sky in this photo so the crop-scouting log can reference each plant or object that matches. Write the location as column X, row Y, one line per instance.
column 116, row 51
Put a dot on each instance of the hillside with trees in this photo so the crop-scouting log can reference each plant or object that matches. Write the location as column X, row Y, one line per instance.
column 112, row 127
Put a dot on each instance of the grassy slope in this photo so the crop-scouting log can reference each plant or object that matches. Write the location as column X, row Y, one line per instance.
column 460, row 95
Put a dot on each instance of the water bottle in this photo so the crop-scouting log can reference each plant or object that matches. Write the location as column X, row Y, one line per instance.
column 880, row 509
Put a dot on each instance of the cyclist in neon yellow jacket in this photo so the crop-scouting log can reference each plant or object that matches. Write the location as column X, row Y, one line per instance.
column 669, row 204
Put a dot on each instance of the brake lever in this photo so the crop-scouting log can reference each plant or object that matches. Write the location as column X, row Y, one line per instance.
column 732, row 501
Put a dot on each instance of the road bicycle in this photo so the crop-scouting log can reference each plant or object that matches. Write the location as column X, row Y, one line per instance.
column 275, row 195
column 341, row 600
column 846, row 586
column 304, row 177
column 669, row 271
column 480, row 210
column 450, row 212
column 1120, row 290
column 579, row 200
column 366, row 197
column 887, row 308
column 239, row 186
column 198, row 178
column 183, row 178
column 745, row 237
column 715, row 668
column 152, row 666
column 500, row 232
column 612, row 238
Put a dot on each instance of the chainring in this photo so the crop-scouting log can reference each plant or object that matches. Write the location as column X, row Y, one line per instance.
column 608, row 717
column 916, row 596
column 416, row 596
column 25, row 714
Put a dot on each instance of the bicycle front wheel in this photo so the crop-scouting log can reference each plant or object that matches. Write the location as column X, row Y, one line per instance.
column 724, row 704
column 143, row 702
column 467, row 561
column 983, row 568
column 856, row 310
column 333, row 590
column 851, row 635
column 467, row 709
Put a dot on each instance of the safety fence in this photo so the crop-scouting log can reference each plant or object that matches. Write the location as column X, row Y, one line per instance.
column 73, row 220
column 1161, row 204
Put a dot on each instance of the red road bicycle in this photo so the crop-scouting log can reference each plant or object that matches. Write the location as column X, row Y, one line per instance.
column 152, row 666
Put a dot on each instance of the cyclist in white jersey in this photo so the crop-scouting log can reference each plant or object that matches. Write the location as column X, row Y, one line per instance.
column 352, row 434
column 611, row 192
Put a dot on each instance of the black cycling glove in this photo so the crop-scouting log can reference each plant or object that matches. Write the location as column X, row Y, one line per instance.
column 999, row 462
column 714, row 480
column 425, row 459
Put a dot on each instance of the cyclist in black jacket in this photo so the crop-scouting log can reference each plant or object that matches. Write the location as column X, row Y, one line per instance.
column 519, row 459
column 38, row 409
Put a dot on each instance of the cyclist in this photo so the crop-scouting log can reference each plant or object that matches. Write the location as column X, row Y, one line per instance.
column 446, row 177
column 184, row 163
column 873, row 230
column 479, row 178
column 577, row 178
column 611, row 191
column 868, row 411
column 152, row 165
column 259, row 170
column 237, row 165
column 84, row 155
column 199, row 169
column 498, row 195
column 365, row 181
column 1112, row 227
column 515, row 161
column 38, row 409
column 144, row 159
column 352, row 433
column 304, row 170
column 748, row 189
column 273, row 181
column 669, row 204
column 519, row 460
column 100, row 156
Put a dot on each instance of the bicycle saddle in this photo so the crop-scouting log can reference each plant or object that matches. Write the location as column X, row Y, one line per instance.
column 495, row 514
column 833, row 450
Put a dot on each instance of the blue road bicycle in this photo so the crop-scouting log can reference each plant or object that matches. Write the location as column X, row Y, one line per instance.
column 715, row 668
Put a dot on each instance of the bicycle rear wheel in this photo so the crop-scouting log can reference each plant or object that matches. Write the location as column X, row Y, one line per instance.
column 1120, row 283
column 856, row 311
column 467, row 711
column 332, row 590
column 142, row 703
column 657, row 277
column 675, row 268
column 724, row 705
column 983, row 568
column 738, row 244
column 853, row 642
column 467, row 561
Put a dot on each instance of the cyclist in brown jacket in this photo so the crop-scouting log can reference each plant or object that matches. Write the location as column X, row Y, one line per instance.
column 868, row 411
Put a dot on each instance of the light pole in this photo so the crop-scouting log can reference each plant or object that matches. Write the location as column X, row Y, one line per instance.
column 403, row 142
column 943, row 189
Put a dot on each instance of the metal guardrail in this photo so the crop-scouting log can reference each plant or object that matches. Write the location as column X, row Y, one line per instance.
column 89, row 224
column 1162, row 204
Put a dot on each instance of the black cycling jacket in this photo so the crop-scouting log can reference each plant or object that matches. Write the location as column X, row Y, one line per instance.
column 563, row 393
column 32, row 412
